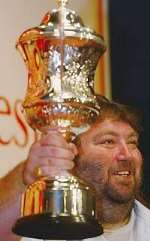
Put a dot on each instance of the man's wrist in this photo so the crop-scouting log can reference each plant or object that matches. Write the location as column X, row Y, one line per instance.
column 12, row 185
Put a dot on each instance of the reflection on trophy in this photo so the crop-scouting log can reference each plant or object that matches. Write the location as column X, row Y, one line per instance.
column 61, row 55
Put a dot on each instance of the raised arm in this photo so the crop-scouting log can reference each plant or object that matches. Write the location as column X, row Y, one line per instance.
column 11, row 188
column 52, row 154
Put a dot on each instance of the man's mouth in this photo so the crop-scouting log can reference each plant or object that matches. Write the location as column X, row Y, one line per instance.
column 122, row 173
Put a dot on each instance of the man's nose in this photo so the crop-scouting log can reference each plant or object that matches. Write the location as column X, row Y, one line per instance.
column 124, row 152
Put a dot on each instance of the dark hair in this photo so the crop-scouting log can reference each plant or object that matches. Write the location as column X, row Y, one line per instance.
column 116, row 111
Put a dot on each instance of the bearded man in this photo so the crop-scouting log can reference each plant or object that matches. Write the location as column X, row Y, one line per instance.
column 106, row 157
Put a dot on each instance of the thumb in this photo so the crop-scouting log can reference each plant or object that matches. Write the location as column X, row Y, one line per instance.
column 73, row 148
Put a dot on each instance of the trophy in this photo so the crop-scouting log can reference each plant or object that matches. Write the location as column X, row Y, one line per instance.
column 61, row 55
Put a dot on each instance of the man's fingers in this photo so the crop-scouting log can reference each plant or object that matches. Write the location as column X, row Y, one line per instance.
column 54, row 138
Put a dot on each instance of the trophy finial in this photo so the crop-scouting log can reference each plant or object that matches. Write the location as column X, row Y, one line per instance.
column 62, row 2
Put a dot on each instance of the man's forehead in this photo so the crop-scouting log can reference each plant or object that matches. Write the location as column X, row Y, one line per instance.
column 112, row 126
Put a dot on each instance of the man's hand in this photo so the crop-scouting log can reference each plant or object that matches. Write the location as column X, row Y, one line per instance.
column 51, row 155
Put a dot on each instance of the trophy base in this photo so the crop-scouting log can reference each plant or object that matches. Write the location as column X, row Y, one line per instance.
column 43, row 226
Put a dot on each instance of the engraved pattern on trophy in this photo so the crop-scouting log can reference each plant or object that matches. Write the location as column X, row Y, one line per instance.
column 61, row 56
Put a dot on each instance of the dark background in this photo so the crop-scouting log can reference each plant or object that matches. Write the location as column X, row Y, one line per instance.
column 130, row 61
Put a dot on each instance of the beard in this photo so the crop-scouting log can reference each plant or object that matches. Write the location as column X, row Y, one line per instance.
column 115, row 190
column 125, row 188
column 113, row 194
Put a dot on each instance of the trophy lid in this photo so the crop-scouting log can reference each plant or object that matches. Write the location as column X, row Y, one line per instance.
column 62, row 22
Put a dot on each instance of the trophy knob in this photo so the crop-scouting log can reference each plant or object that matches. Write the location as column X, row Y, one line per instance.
column 63, row 2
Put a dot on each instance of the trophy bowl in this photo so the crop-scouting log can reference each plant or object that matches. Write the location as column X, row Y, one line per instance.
column 61, row 56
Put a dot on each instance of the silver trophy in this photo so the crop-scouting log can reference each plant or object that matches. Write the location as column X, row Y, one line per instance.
column 61, row 56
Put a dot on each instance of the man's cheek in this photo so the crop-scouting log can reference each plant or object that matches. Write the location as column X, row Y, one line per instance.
column 91, row 169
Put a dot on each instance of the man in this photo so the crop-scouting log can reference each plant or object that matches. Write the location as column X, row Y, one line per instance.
column 107, row 157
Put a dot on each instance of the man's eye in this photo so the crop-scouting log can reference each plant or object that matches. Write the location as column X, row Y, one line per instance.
column 107, row 142
column 133, row 143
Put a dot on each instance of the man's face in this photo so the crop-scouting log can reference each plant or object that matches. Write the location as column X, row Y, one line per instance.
column 110, row 160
